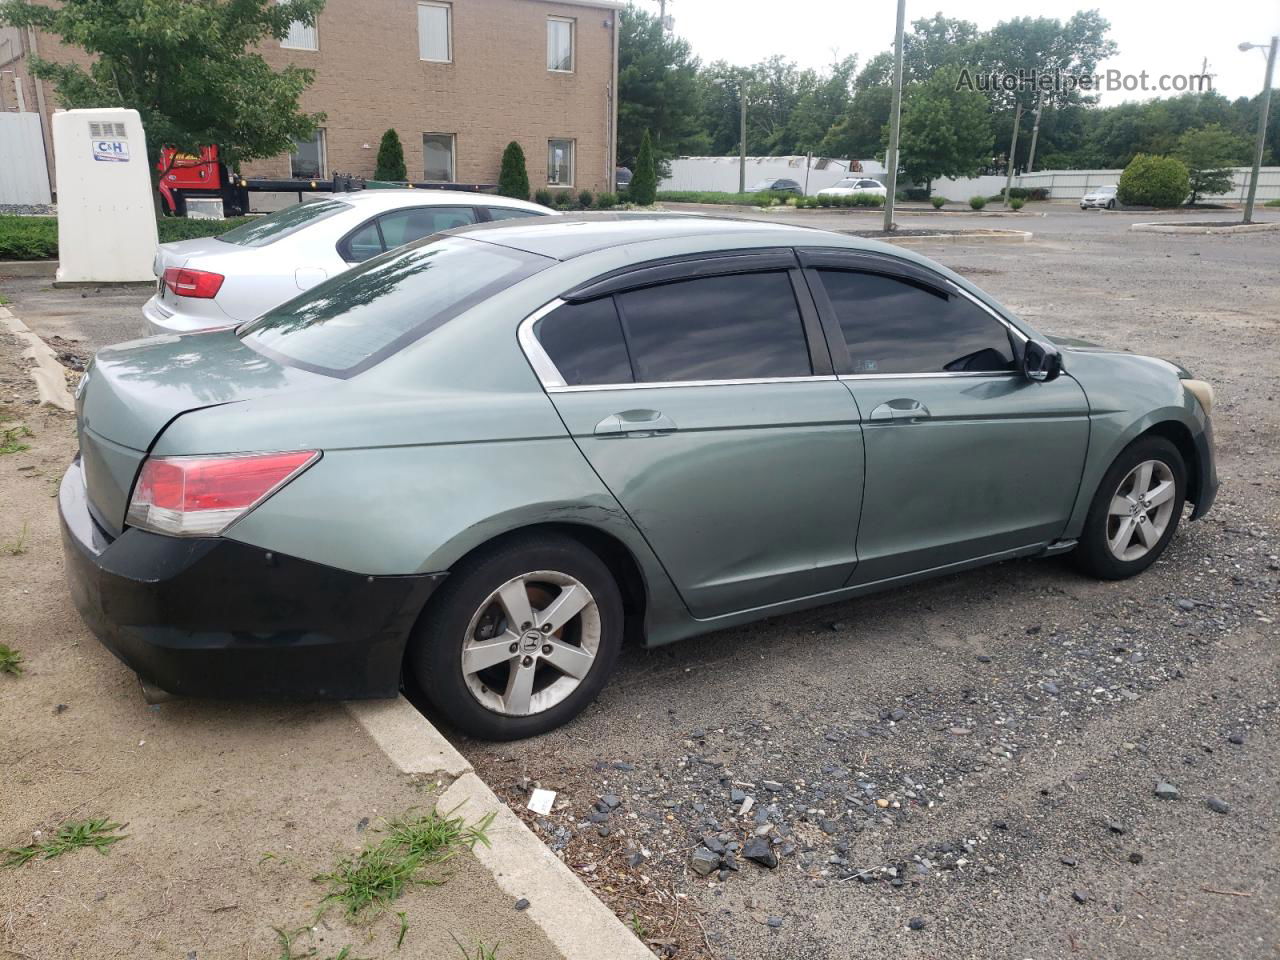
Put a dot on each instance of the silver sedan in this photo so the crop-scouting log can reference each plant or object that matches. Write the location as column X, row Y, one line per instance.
column 225, row 280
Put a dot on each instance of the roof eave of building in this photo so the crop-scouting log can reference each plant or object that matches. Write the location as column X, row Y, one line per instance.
column 600, row 4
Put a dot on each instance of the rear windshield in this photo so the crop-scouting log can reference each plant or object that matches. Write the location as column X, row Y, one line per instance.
column 263, row 230
column 359, row 318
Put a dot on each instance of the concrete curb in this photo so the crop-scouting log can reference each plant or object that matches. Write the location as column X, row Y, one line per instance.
column 28, row 268
column 1195, row 228
column 576, row 922
column 50, row 376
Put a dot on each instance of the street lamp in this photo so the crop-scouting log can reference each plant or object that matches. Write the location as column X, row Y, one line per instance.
column 1263, row 115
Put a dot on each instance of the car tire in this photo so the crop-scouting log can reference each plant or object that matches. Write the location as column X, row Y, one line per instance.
column 1111, row 204
column 1097, row 553
column 467, row 612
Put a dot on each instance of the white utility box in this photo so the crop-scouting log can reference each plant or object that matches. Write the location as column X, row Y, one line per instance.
column 106, row 214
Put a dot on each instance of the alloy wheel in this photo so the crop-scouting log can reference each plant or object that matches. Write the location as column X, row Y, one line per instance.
column 1140, row 510
column 531, row 643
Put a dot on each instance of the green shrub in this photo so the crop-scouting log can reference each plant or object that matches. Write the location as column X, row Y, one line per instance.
column 543, row 196
column 938, row 202
column 180, row 228
column 1152, row 181
column 977, row 202
column 513, row 180
column 606, row 201
column 390, row 163
column 644, row 181
column 36, row 238
column 1272, row 203
column 563, row 199
column 584, row 199
column 1015, row 203
column 825, row 200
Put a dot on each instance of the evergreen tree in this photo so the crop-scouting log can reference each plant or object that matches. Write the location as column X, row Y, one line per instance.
column 644, row 179
column 390, row 164
column 513, row 180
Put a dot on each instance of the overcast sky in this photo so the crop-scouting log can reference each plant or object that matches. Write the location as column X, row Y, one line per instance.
column 1159, row 36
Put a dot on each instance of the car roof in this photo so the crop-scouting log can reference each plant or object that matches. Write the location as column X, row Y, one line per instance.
column 375, row 200
column 575, row 235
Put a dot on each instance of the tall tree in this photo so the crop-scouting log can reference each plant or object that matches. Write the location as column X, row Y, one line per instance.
column 644, row 182
column 658, row 90
column 936, row 42
column 190, row 69
column 513, row 178
column 946, row 132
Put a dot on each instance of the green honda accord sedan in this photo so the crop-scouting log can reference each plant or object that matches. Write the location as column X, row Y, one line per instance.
column 483, row 461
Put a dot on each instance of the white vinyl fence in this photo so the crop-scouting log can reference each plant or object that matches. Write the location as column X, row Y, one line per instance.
column 721, row 173
column 1074, row 184
column 24, row 178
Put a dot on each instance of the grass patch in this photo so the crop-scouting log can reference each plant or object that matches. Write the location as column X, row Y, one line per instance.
column 287, row 940
column 98, row 833
column 10, row 660
column 36, row 238
column 381, row 873
column 11, row 439
column 1273, row 203
column 16, row 548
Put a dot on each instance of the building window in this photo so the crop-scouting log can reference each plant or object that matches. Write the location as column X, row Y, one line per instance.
column 560, row 163
column 435, row 29
column 307, row 161
column 560, row 44
column 301, row 37
column 437, row 155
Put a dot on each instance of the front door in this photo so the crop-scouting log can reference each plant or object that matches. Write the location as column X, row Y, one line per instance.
column 697, row 403
column 965, row 458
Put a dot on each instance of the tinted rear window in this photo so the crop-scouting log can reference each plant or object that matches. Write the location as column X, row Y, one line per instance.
column 349, row 323
column 584, row 341
column 716, row 328
column 276, row 226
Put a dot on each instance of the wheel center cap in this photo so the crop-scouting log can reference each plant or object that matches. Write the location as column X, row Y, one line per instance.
column 531, row 641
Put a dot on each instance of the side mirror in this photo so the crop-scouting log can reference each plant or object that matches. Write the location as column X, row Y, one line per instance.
column 1040, row 361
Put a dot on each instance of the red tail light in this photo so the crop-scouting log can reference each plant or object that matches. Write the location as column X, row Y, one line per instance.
column 202, row 496
column 200, row 284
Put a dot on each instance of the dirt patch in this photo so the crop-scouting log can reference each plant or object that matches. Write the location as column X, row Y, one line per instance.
column 228, row 810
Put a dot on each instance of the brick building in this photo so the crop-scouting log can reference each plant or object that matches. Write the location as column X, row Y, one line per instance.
column 457, row 79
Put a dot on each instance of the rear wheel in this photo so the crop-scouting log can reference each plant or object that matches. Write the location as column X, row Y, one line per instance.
column 1135, row 512
column 520, row 638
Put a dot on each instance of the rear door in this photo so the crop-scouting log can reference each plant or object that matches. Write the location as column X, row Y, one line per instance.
column 965, row 457
column 702, row 394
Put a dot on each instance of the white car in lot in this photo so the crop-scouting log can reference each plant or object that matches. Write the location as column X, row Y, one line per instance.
column 1101, row 197
column 225, row 280
column 852, row 185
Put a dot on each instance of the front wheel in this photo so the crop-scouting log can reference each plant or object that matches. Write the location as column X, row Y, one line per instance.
column 520, row 638
column 1135, row 511
column 1111, row 204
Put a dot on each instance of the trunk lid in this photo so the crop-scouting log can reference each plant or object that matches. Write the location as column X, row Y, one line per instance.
column 134, row 390
column 183, row 253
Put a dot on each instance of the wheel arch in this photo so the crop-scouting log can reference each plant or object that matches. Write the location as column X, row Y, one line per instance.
column 1177, row 433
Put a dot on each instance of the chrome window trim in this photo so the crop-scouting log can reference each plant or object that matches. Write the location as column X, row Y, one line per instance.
column 932, row 376
column 999, row 319
column 543, row 368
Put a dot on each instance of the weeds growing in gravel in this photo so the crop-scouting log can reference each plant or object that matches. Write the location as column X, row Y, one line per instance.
column 98, row 833
column 11, row 439
column 16, row 548
column 286, row 939
column 482, row 952
column 10, row 660
column 380, row 873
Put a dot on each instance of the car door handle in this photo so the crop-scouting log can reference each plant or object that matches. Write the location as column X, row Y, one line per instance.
column 635, row 423
column 902, row 410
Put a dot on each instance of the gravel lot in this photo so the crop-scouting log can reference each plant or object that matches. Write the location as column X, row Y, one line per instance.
column 969, row 767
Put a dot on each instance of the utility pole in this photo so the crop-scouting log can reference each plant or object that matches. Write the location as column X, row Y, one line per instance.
column 1035, row 133
column 1264, row 113
column 895, row 115
column 742, row 139
column 1013, row 147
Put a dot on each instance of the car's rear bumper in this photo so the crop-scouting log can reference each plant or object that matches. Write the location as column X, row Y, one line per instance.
column 161, row 318
column 211, row 617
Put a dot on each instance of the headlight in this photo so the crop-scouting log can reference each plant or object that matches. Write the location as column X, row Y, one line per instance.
column 1202, row 392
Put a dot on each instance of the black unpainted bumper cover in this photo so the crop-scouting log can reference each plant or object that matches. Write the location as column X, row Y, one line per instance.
column 211, row 617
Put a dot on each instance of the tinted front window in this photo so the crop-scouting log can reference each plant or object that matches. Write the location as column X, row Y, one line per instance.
column 358, row 318
column 584, row 341
column 716, row 328
column 896, row 327
column 263, row 230
column 363, row 244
